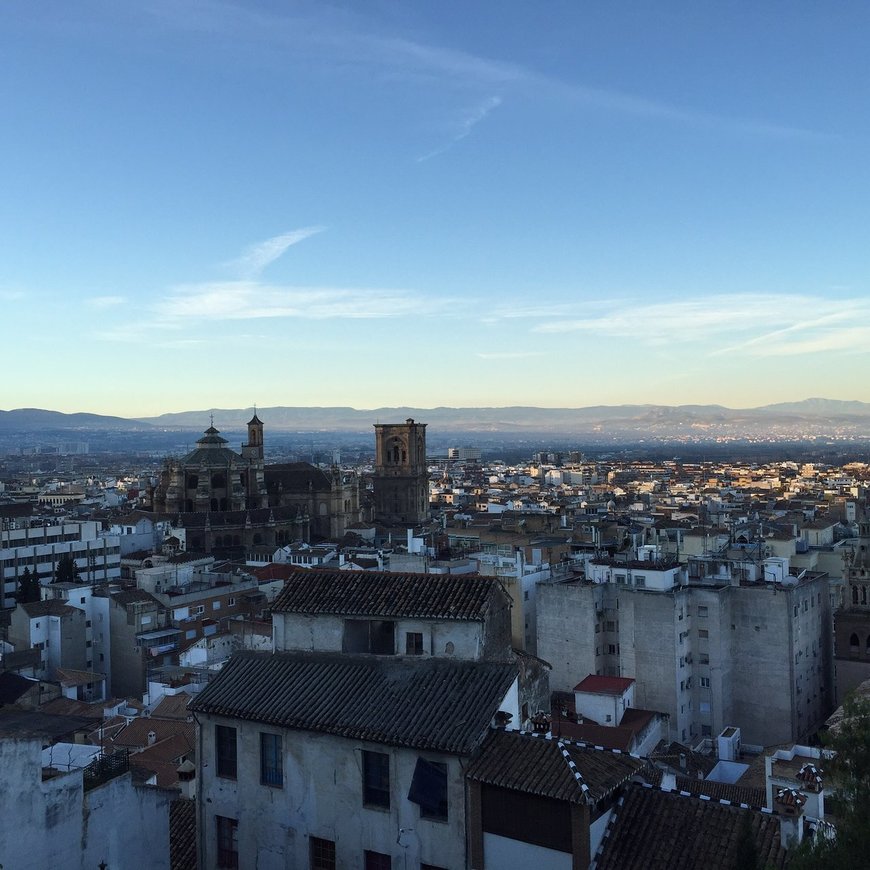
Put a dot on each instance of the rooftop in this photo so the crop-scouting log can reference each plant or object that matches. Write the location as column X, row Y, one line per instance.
column 435, row 704
column 385, row 594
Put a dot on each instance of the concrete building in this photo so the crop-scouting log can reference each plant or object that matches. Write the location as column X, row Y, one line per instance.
column 342, row 760
column 76, row 818
column 56, row 629
column 418, row 615
column 40, row 546
column 690, row 647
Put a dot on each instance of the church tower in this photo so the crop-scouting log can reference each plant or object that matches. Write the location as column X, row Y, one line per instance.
column 401, row 481
column 254, row 481
column 254, row 448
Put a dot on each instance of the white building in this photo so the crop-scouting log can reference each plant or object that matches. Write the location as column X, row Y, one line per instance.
column 97, row 555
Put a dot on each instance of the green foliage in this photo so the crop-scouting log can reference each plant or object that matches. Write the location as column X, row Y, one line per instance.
column 66, row 570
column 849, row 774
column 28, row 587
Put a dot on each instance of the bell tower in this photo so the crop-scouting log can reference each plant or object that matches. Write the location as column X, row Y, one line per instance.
column 254, row 448
column 401, row 480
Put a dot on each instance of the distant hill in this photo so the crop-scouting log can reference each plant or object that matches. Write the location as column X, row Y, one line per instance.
column 33, row 419
column 786, row 419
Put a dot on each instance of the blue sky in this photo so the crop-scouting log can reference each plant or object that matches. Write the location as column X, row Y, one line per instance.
column 216, row 204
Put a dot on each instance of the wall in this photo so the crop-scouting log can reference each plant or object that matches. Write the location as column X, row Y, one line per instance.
column 119, row 823
column 502, row 853
column 324, row 633
column 566, row 631
column 322, row 796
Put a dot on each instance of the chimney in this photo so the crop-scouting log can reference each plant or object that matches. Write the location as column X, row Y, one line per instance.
column 789, row 805
column 682, row 761
column 501, row 719
column 152, row 738
column 541, row 722
column 187, row 778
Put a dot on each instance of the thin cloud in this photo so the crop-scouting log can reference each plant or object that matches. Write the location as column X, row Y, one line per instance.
column 258, row 256
column 716, row 321
column 345, row 40
column 246, row 300
column 11, row 295
column 467, row 123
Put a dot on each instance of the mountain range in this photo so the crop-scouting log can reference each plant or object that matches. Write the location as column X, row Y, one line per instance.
column 784, row 419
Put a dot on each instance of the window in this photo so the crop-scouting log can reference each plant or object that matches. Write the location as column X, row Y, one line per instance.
column 377, row 861
column 231, row 602
column 611, row 649
column 369, row 636
column 216, row 605
column 429, row 789
column 704, row 682
column 271, row 760
column 702, row 632
column 706, row 731
column 702, row 610
column 87, row 623
column 376, row 779
column 200, row 608
column 225, row 750
column 227, row 842
column 639, row 581
column 526, row 595
column 414, row 643
column 322, row 854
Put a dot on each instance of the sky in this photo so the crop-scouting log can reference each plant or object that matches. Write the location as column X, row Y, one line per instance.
column 426, row 202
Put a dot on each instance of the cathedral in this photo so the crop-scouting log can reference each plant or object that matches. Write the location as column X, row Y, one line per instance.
column 230, row 502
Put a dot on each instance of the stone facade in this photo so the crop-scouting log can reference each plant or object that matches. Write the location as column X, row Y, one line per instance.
column 230, row 503
column 401, row 480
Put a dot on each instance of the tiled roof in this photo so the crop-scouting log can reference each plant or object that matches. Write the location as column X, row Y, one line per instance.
column 653, row 830
column 50, row 607
column 436, row 704
column 172, row 707
column 296, row 477
column 71, row 677
column 386, row 595
column 182, row 834
column 599, row 685
column 136, row 733
column 734, row 792
column 543, row 766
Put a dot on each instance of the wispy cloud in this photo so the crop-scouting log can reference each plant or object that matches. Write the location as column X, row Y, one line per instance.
column 256, row 257
column 11, row 295
column 105, row 301
column 246, row 300
column 325, row 36
column 732, row 324
column 469, row 120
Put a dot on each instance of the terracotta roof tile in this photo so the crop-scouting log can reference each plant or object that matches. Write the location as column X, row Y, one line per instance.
column 386, row 595
column 437, row 704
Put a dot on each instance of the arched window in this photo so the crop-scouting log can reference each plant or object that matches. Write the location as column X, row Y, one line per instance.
column 192, row 481
column 854, row 594
column 218, row 481
column 863, row 594
column 853, row 640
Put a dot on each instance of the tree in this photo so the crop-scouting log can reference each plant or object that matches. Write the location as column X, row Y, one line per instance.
column 28, row 587
column 66, row 570
column 848, row 775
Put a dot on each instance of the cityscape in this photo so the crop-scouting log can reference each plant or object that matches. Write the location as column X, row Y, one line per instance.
column 434, row 436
